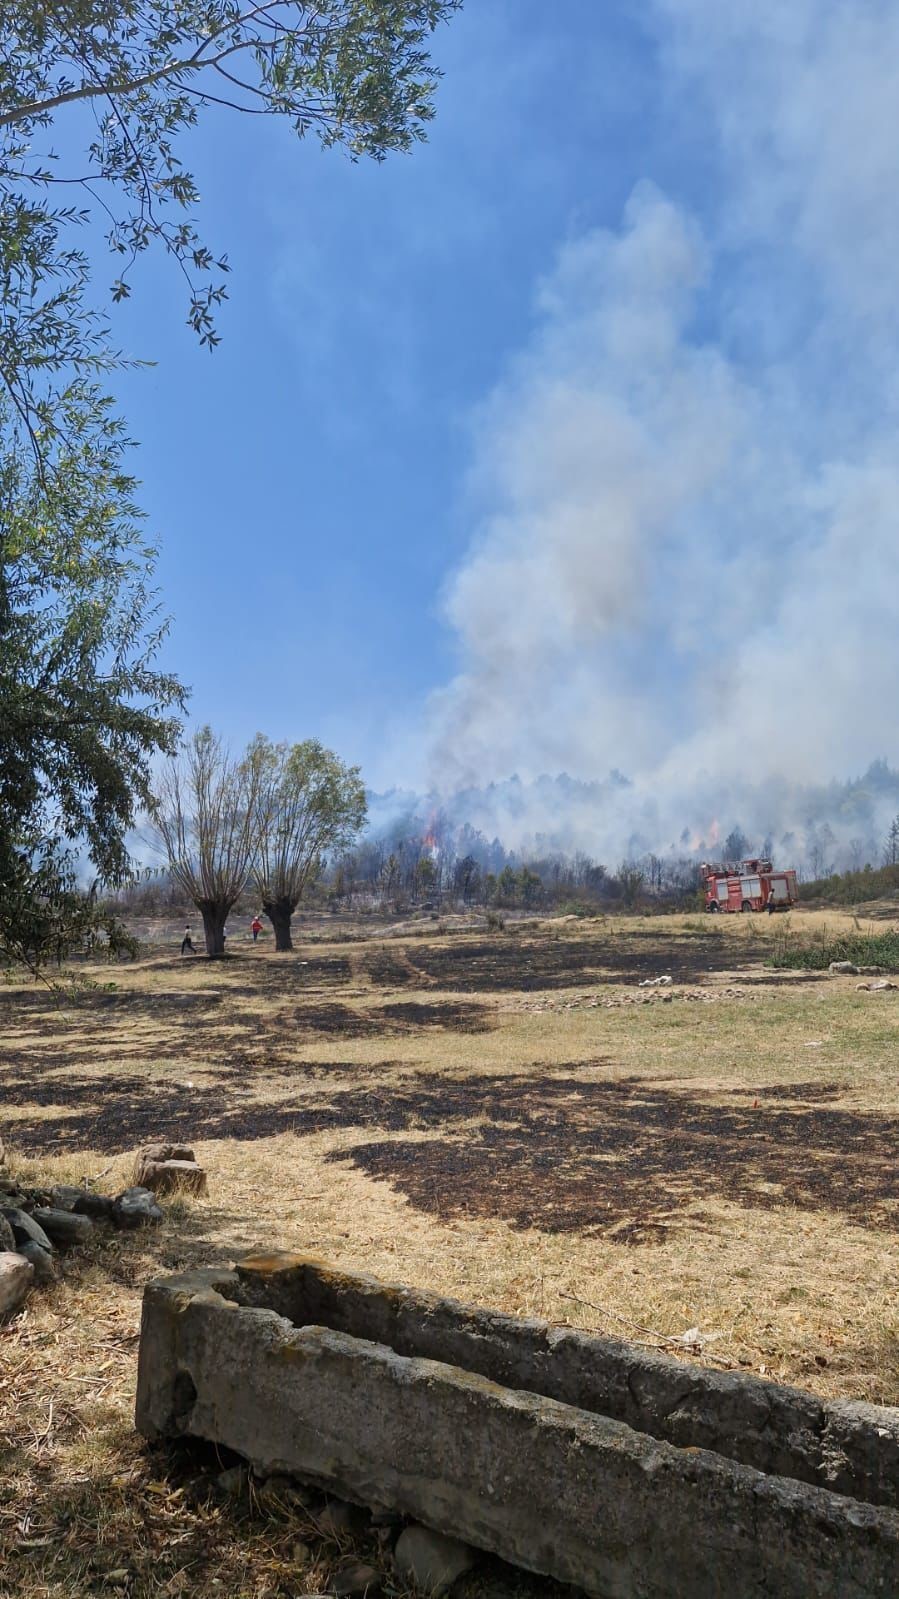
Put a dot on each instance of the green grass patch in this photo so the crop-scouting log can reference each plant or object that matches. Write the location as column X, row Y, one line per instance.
column 798, row 952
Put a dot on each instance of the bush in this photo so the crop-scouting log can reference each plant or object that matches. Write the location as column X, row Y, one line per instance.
column 495, row 922
column 580, row 907
column 853, row 888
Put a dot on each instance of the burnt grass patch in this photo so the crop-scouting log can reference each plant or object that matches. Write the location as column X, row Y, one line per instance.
column 507, row 962
column 390, row 968
column 455, row 1015
column 232, row 1042
column 624, row 1158
column 558, row 1153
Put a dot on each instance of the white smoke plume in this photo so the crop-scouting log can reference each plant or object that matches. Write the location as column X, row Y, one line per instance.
column 685, row 490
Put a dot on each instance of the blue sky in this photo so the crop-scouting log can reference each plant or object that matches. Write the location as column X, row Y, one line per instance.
column 308, row 479
column 556, row 443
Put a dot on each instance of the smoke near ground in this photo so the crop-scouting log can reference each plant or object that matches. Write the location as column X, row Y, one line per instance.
column 830, row 826
column 685, row 489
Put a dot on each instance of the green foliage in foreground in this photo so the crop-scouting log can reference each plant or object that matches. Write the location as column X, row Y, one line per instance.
column 797, row 952
column 45, row 916
column 83, row 708
column 353, row 73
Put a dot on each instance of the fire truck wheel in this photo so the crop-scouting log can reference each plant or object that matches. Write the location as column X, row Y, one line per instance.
column 746, row 906
column 712, row 907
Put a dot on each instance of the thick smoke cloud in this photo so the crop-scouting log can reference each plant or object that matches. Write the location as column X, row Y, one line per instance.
column 685, row 491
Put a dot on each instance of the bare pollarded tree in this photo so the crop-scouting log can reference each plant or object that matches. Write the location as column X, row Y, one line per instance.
column 310, row 805
column 207, row 811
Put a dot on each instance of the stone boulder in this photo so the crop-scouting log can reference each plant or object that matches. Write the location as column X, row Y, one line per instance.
column 82, row 1202
column 25, row 1228
column 7, row 1237
column 430, row 1560
column 16, row 1277
column 168, row 1169
column 843, row 968
column 63, row 1227
column 40, row 1259
column 136, row 1207
column 358, row 1581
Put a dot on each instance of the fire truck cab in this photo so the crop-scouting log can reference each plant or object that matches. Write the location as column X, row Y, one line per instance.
column 750, row 885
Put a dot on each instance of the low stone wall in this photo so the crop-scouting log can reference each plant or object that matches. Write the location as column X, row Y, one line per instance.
column 627, row 1473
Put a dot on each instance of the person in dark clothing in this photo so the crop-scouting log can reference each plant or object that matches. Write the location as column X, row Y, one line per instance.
column 187, row 945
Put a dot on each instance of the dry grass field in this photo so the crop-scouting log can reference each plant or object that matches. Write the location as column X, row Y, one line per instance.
column 505, row 1117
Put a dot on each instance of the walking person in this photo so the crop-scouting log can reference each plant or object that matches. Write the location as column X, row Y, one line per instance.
column 187, row 945
column 255, row 928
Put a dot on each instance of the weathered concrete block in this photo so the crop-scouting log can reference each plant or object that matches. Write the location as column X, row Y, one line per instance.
column 851, row 1448
column 390, row 1414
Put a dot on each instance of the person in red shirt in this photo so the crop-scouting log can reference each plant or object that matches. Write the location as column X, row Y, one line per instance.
column 255, row 928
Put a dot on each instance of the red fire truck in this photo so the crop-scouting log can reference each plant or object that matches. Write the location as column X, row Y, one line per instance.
column 750, row 885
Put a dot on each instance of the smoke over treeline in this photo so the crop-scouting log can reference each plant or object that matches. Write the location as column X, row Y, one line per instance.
column 818, row 829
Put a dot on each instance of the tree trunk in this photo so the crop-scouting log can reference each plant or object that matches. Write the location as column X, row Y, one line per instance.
column 279, row 913
column 214, row 919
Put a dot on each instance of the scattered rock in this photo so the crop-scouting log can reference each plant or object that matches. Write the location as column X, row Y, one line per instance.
column 2, row 1153
column 430, row 1560
column 844, row 968
column 63, row 1227
column 233, row 1481
column 136, row 1207
column 7, row 1237
column 302, row 1554
column 41, row 1260
column 16, row 1276
column 172, row 1176
column 383, row 1516
column 280, row 1492
column 81, row 1202
column 357, row 1581
column 97, row 1206
column 339, row 1519
column 874, row 988
column 25, row 1228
